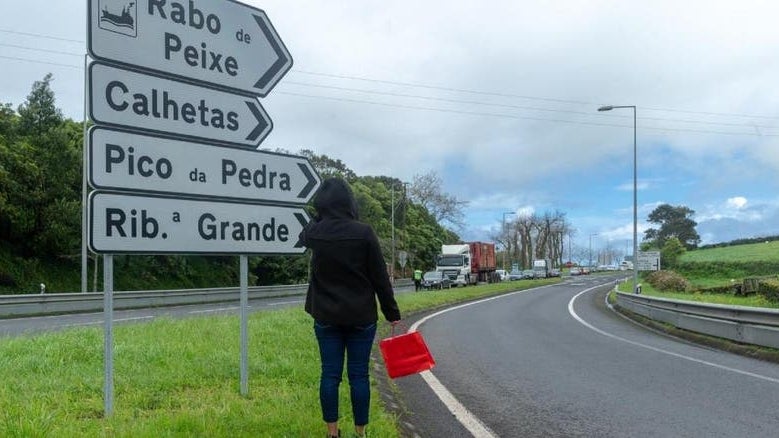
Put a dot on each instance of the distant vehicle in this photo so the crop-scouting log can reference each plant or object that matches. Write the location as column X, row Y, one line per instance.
column 626, row 266
column 575, row 271
column 528, row 274
column 554, row 273
column 515, row 275
column 541, row 267
column 436, row 280
column 502, row 274
column 467, row 263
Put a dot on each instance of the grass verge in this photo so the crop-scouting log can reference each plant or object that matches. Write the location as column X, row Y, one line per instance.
column 180, row 377
column 713, row 298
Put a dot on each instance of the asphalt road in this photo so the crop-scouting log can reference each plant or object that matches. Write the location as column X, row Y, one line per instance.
column 556, row 362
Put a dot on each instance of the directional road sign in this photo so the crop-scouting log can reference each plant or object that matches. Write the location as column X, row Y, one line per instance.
column 219, row 43
column 121, row 160
column 134, row 100
column 131, row 223
column 648, row 261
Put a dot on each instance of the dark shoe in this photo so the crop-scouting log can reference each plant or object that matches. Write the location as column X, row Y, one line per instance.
column 335, row 436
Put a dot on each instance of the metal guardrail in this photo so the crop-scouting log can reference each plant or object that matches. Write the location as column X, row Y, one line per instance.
column 19, row 306
column 15, row 306
column 750, row 325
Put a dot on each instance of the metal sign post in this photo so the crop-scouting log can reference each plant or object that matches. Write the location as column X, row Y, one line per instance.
column 244, row 325
column 108, row 336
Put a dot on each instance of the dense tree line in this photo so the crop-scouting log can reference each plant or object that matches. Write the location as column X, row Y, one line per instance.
column 40, row 176
column 743, row 241
column 535, row 236
column 40, row 208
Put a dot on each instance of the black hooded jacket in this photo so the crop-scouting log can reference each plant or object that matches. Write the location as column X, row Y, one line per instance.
column 348, row 271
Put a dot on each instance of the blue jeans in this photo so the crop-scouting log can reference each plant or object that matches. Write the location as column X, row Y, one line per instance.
column 356, row 342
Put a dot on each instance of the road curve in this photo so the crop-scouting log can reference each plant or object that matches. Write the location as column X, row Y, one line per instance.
column 555, row 361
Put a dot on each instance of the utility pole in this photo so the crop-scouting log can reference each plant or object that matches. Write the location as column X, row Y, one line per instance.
column 506, row 237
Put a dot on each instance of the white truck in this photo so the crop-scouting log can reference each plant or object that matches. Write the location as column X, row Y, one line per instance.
column 541, row 268
column 468, row 263
column 455, row 262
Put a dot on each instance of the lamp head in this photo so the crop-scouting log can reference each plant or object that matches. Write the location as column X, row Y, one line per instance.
column 606, row 108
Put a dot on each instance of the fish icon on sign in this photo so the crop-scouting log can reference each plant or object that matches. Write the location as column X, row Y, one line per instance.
column 119, row 16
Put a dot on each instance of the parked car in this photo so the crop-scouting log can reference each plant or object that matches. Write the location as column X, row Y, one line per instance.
column 436, row 280
column 575, row 271
column 554, row 273
column 502, row 274
column 515, row 275
column 528, row 274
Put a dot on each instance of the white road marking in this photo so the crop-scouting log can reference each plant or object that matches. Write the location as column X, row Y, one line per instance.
column 133, row 318
column 281, row 303
column 219, row 309
column 475, row 426
column 79, row 324
column 659, row 350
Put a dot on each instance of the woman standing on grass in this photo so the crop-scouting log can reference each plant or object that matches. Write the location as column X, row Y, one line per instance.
column 348, row 273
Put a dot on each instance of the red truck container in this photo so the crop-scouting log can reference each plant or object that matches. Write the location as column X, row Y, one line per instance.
column 483, row 263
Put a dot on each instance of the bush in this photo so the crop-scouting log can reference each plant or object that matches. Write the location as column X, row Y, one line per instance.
column 668, row 281
column 7, row 280
column 769, row 288
column 722, row 289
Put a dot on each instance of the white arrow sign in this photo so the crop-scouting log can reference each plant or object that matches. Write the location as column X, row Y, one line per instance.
column 121, row 160
column 648, row 261
column 221, row 43
column 134, row 100
column 128, row 223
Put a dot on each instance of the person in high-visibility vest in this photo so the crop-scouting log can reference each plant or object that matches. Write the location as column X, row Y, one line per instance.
column 417, row 279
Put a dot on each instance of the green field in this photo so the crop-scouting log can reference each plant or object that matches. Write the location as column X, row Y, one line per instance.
column 180, row 377
column 712, row 270
column 753, row 252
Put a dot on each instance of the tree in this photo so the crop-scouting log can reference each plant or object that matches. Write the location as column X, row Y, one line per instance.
column 426, row 190
column 8, row 122
column 39, row 113
column 523, row 227
column 674, row 221
column 538, row 237
column 328, row 167
column 40, row 168
column 670, row 253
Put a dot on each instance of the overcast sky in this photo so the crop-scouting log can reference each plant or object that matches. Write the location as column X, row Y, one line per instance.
column 500, row 98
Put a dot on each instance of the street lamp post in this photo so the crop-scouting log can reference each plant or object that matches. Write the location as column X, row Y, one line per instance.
column 505, row 235
column 392, row 201
column 590, row 262
column 392, row 206
column 635, row 192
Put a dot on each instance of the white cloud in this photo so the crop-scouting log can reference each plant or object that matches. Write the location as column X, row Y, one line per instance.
column 738, row 202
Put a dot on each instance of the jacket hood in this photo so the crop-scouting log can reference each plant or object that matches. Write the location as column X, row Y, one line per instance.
column 335, row 200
